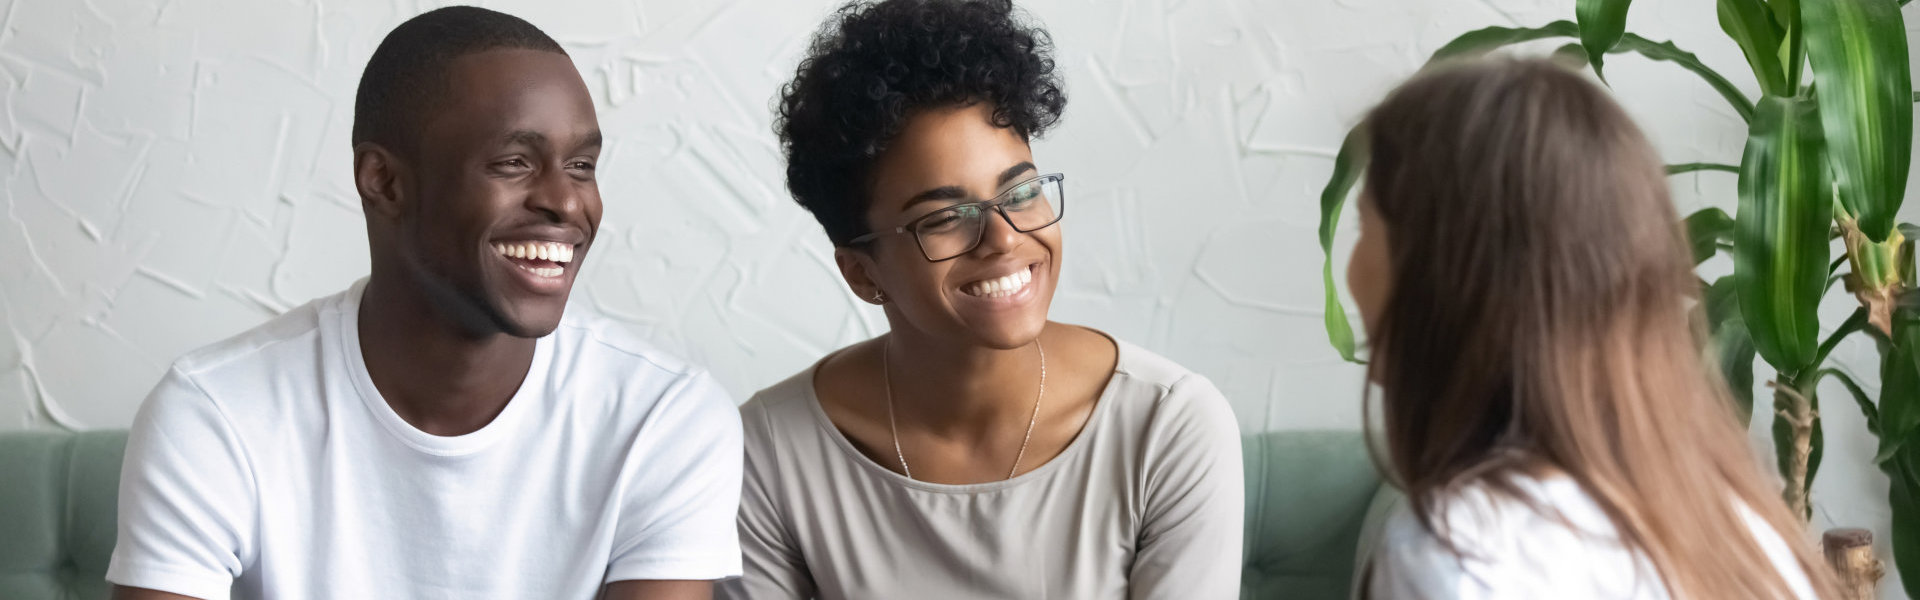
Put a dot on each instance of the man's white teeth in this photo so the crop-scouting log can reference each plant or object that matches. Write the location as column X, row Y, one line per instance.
column 551, row 251
column 1000, row 286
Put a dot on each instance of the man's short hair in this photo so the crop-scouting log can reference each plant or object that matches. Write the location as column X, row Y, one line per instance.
column 408, row 72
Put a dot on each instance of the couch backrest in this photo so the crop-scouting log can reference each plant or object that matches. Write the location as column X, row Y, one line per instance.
column 1310, row 496
column 58, row 501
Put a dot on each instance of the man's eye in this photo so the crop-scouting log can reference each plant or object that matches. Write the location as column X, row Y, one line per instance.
column 511, row 163
column 582, row 165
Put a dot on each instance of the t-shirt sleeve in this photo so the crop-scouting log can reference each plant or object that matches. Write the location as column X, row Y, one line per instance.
column 774, row 568
column 683, row 490
column 1411, row 563
column 1499, row 548
column 1418, row 566
column 187, row 501
column 1191, row 530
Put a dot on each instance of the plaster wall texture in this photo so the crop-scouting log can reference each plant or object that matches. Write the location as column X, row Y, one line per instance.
column 178, row 171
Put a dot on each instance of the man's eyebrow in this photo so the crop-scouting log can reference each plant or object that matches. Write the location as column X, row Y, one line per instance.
column 525, row 137
column 535, row 139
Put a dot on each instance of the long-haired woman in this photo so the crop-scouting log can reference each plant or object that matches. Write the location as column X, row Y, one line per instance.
column 1525, row 285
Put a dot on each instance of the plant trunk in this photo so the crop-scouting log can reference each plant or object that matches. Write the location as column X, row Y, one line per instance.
column 1797, row 412
column 1850, row 553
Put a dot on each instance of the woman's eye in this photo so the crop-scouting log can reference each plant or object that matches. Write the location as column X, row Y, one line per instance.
column 582, row 165
column 944, row 221
column 1023, row 195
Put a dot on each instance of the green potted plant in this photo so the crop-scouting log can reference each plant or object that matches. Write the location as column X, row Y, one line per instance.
column 1825, row 165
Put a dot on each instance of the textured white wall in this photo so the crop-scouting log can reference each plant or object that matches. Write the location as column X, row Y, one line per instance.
column 178, row 171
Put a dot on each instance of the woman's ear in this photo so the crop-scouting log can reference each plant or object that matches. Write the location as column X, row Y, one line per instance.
column 376, row 174
column 857, row 268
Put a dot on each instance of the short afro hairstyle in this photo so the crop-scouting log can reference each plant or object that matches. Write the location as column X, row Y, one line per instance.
column 873, row 64
column 408, row 72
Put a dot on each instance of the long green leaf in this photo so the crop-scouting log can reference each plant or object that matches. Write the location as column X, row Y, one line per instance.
column 1700, row 166
column 1859, row 394
column 1668, row 52
column 1900, row 383
column 1346, row 172
column 1852, row 325
column 1899, row 455
column 1481, row 41
column 1793, row 53
column 1899, row 443
column 1750, row 23
column 1733, row 350
column 1859, row 54
column 1903, row 497
column 1780, row 241
column 1602, row 22
column 1706, row 229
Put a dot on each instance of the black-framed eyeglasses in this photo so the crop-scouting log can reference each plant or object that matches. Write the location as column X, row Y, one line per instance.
column 947, row 233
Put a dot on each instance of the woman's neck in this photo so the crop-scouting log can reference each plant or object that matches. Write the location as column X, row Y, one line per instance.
column 956, row 388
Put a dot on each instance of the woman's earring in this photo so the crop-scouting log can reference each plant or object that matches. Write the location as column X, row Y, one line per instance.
column 879, row 297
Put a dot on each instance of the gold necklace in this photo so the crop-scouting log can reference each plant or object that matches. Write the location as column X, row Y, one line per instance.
column 886, row 374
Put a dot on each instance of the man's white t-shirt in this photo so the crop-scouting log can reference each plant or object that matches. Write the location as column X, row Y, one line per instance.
column 1555, row 543
column 269, row 465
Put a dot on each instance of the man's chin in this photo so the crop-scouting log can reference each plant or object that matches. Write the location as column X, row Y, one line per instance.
column 529, row 321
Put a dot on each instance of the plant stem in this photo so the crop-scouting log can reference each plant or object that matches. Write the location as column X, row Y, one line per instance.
column 1799, row 417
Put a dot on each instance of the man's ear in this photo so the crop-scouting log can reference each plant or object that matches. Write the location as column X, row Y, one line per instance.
column 376, row 174
column 857, row 268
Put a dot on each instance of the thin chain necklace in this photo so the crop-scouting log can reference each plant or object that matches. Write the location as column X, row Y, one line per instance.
column 886, row 374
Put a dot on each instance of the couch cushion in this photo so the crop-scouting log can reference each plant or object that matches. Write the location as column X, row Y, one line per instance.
column 57, row 512
column 1309, row 495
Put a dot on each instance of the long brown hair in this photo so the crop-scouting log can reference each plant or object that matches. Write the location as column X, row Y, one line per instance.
column 1538, row 321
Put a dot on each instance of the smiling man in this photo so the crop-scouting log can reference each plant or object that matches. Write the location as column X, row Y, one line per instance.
column 444, row 428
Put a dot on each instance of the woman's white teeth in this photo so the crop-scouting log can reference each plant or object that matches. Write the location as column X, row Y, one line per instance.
column 549, row 251
column 1000, row 286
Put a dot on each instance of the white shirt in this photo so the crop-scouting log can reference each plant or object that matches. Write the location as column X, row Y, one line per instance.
column 269, row 464
column 1146, row 503
column 1511, row 550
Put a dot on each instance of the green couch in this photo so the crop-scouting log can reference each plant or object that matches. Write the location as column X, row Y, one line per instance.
column 1310, row 497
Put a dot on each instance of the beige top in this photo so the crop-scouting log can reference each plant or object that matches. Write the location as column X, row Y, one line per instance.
column 1145, row 503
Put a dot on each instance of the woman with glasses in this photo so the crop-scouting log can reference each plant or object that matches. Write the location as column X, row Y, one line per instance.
column 977, row 450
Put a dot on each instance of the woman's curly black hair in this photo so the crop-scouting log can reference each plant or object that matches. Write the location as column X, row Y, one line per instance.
column 874, row 63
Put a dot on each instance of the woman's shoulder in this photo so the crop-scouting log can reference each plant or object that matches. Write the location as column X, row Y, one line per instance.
column 1522, row 535
column 1148, row 382
column 785, row 404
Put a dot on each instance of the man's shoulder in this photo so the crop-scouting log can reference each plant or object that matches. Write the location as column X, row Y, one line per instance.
column 586, row 335
column 600, row 359
column 293, row 335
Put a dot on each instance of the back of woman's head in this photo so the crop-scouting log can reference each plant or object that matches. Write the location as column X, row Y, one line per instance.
column 1537, row 320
